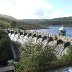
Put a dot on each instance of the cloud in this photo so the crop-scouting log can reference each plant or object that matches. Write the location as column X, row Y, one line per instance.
column 30, row 9
column 36, row 9
column 57, row 14
column 7, row 7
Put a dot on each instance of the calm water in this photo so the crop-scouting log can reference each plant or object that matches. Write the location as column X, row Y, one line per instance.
column 55, row 30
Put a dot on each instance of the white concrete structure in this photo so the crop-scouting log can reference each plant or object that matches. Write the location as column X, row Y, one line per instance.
column 61, row 28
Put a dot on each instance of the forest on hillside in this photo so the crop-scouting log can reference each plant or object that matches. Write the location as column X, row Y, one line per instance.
column 10, row 22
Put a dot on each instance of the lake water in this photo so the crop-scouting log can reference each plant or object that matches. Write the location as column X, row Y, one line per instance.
column 55, row 30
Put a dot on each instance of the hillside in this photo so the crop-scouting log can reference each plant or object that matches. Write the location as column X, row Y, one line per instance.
column 33, row 21
column 66, row 21
column 6, row 17
column 11, row 22
column 5, row 21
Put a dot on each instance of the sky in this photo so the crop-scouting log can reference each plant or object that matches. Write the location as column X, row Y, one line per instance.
column 36, row 9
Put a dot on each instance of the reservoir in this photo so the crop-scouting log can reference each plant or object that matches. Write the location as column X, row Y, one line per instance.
column 55, row 30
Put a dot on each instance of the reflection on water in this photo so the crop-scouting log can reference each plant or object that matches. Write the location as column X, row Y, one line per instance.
column 55, row 30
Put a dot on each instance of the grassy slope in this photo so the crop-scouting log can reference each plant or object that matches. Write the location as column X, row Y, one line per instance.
column 6, row 22
column 66, row 21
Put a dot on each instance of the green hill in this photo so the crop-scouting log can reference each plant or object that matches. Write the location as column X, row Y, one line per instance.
column 66, row 21
column 11, row 22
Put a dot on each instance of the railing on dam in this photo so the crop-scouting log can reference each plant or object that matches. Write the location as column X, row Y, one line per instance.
column 56, row 41
column 64, row 38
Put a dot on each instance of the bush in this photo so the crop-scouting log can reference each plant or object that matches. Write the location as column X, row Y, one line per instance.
column 69, row 56
column 5, row 46
column 38, row 59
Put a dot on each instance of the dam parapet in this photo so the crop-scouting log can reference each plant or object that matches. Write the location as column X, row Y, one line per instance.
column 64, row 38
column 59, row 42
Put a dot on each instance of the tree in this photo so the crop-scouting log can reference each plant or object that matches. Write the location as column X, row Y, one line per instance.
column 13, row 24
column 37, row 60
column 5, row 46
column 69, row 55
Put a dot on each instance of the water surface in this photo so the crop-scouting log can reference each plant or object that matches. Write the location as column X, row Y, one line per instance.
column 55, row 30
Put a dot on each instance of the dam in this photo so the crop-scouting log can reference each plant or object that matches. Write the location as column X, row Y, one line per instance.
column 16, row 35
column 59, row 42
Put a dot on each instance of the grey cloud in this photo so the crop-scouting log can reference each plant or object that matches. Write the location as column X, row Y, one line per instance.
column 39, row 12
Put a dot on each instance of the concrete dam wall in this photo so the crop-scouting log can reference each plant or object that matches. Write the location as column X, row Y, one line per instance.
column 60, row 43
